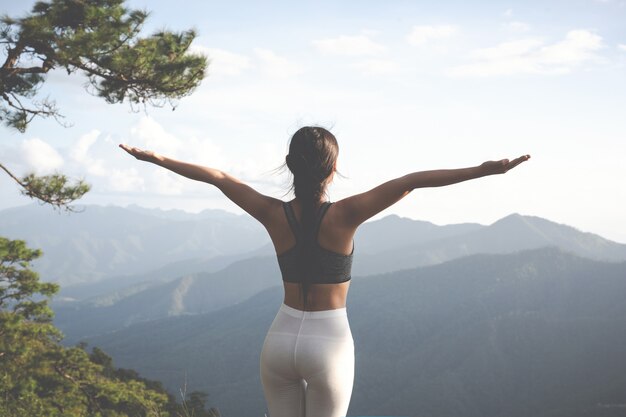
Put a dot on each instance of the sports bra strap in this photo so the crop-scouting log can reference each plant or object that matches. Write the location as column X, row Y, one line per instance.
column 320, row 216
column 293, row 222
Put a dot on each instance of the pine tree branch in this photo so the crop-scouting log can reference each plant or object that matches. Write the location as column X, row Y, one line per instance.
column 8, row 72
column 98, row 73
column 22, row 108
column 13, row 55
column 101, row 39
column 17, row 180
column 40, row 188
column 46, row 66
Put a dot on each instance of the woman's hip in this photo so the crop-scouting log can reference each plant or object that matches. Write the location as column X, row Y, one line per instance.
column 326, row 324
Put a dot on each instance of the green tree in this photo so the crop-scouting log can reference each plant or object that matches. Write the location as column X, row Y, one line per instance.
column 40, row 377
column 101, row 40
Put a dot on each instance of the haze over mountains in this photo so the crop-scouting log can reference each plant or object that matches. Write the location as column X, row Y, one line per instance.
column 516, row 318
column 537, row 333
column 103, row 242
column 509, row 234
column 128, row 245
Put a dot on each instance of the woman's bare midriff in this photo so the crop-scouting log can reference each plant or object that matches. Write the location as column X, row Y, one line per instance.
column 321, row 296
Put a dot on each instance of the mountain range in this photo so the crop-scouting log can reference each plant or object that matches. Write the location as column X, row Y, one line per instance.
column 200, row 285
column 540, row 332
column 109, row 248
column 521, row 317
column 103, row 242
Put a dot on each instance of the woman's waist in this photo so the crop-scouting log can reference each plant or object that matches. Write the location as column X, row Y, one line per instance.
column 313, row 314
column 320, row 297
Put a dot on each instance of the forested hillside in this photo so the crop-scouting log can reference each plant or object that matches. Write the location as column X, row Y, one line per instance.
column 539, row 333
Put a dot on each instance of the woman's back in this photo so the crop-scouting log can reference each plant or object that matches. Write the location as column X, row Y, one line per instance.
column 333, row 236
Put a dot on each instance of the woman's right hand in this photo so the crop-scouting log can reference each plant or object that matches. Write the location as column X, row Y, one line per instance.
column 503, row 165
column 140, row 154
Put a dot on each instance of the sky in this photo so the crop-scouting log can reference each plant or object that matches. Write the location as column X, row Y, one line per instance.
column 404, row 85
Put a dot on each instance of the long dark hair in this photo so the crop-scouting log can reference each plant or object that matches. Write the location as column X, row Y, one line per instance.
column 312, row 156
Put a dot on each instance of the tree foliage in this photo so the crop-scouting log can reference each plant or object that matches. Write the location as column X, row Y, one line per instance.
column 101, row 40
column 50, row 189
column 40, row 377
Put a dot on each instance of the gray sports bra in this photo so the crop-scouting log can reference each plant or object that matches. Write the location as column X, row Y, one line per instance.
column 329, row 267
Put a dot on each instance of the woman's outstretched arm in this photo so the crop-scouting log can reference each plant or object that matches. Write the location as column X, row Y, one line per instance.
column 358, row 208
column 246, row 197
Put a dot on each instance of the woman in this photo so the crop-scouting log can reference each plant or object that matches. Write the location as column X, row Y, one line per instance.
column 307, row 361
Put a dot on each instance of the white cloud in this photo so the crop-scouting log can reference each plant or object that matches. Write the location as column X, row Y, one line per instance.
column 622, row 47
column 507, row 49
column 359, row 45
column 532, row 56
column 577, row 47
column 40, row 157
column 508, row 13
column 81, row 147
column 517, row 26
column 167, row 183
column 110, row 170
column 276, row 66
column 190, row 148
column 152, row 136
column 200, row 150
column 377, row 67
column 222, row 62
column 80, row 154
column 126, row 180
column 420, row 35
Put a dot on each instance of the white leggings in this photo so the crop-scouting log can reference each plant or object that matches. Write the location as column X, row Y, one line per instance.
column 307, row 363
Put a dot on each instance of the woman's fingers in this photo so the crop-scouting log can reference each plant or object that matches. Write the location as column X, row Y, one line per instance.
column 136, row 152
column 503, row 165
column 128, row 148
column 140, row 154
column 518, row 161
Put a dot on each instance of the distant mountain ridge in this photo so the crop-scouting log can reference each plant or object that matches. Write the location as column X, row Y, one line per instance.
column 539, row 333
column 103, row 242
column 109, row 243
column 393, row 232
column 507, row 235
column 106, row 291
column 189, row 295
column 179, row 289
